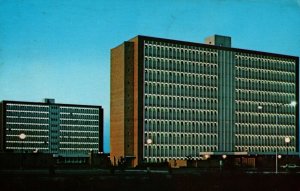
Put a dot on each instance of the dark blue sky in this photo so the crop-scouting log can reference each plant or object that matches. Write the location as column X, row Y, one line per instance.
column 61, row 48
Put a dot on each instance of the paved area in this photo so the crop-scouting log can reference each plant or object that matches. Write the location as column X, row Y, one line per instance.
column 144, row 180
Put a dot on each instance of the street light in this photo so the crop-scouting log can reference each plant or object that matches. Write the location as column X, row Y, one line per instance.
column 149, row 142
column 292, row 104
column 224, row 156
column 279, row 156
column 222, row 162
column 287, row 140
column 22, row 137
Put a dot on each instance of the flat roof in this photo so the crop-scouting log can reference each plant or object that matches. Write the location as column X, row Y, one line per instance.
column 187, row 43
column 43, row 103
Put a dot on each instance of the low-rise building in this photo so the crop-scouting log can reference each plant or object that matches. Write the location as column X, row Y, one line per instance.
column 65, row 130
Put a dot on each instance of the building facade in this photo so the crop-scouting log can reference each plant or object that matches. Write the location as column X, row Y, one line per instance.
column 64, row 130
column 173, row 100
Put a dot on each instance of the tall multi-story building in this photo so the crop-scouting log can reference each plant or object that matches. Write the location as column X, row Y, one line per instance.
column 173, row 100
column 64, row 130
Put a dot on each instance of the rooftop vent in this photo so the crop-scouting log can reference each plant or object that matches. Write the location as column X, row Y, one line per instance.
column 218, row 40
column 49, row 101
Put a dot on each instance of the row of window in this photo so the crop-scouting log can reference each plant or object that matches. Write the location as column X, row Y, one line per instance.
column 24, row 107
column 182, row 139
column 181, row 102
column 249, row 148
column 25, row 117
column 184, row 53
column 62, row 148
column 27, row 126
column 76, row 150
column 180, row 126
column 180, row 66
column 182, row 129
column 79, row 122
column 246, row 117
column 180, row 78
column 70, row 152
column 19, row 144
column 79, row 133
column 163, row 152
column 259, row 129
column 79, row 110
column 29, row 133
column 181, row 90
column 27, row 114
column 79, row 128
column 32, row 137
column 268, row 75
column 270, row 86
column 263, row 96
column 262, row 140
column 165, row 159
column 72, row 139
column 178, row 114
column 45, row 128
column 28, row 120
column 78, row 116
column 252, row 61
column 263, row 107
column 27, row 149
column 177, row 150
column 78, row 145
column 163, row 45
